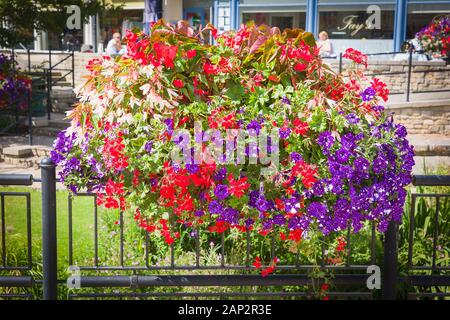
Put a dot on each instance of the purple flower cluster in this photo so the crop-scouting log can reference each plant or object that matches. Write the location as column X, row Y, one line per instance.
column 225, row 214
column 362, row 189
column 326, row 141
column 368, row 94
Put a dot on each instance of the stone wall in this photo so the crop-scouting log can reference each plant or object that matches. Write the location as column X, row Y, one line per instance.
column 423, row 117
column 425, row 75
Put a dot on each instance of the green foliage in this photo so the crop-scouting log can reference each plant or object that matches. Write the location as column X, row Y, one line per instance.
column 20, row 17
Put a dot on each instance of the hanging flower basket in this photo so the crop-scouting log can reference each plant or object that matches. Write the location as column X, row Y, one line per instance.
column 435, row 38
column 14, row 85
column 253, row 133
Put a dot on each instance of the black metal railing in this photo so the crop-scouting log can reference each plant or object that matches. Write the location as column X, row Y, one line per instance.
column 44, row 75
column 141, row 279
column 16, row 281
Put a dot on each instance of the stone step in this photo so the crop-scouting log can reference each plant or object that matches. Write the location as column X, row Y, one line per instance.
column 24, row 156
column 60, row 124
column 62, row 107
column 31, row 162
column 62, row 92
column 46, row 131
column 17, row 152
column 430, row 144
column 62, row 84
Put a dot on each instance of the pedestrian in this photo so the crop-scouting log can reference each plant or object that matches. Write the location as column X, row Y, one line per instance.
column 325, row 45
column 114, row 47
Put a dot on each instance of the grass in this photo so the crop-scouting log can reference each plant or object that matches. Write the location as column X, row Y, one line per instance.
column 16, row 222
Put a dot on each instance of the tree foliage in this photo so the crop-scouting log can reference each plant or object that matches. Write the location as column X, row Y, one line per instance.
column 20, row 17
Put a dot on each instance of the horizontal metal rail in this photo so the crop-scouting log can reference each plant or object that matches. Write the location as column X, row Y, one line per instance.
column 16, row 179
column 138, row 281
column 275, row 294
column 16, row 281
column 429, row 280
column 431, row 180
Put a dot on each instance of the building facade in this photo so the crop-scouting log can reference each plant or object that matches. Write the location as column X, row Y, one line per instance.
column 366, row 25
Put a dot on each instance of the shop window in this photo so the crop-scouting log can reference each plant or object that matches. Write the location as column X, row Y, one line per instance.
column 281, row 20
column 357, row 24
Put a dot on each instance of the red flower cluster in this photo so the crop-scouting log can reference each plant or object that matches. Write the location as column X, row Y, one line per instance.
column 341, row 244
column 324, row 288
column 174, row 189
column 306, row 172
column 219, row 227
column 165, row 54
column 300, row 127
column 178, row 83
column 266, row 271
column 113, row 153
column 238, row 187
column 114, row 195
column 165, row 232
column 234, row 41
column 356, row 56
column 380, row 88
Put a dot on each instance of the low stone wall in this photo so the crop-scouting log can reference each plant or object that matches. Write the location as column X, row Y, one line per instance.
column 425, row 75
column 423, row 117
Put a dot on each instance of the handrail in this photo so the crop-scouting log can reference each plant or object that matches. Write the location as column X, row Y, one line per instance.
column 16, row 179
column 431, row 180
column 60, row 61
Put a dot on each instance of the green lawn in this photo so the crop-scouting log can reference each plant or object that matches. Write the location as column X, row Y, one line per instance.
column 16, row 222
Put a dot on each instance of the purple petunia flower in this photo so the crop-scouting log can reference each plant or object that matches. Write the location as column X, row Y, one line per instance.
column 279, row 219
column 296, row 156
column 326, row 141
column 199, row 213
column 368, row 94
column 149, row 146
column 215, row 207
column 352, row 118
column 221, row 192
column 254, row 125
column 220, row 174
column 284, row 132
column 192, row 168
column 285, row 100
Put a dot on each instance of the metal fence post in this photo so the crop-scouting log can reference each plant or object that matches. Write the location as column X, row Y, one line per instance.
column 389, row 291
column 408, row 84
column 73, row 69
column 49, row 247
column 49, row 84
column 340, row 62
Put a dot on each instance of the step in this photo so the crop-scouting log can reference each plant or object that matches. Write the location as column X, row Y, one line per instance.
column 62, row 107
column 41, row 73
column 62, row 93
column 60, row 124
column 17, row 152
column 47, row 131
column 62, row 84
column 430, row 144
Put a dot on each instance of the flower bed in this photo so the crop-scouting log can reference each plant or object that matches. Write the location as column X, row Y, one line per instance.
column 435, row 37
column 252, row 133
column 14, row 85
